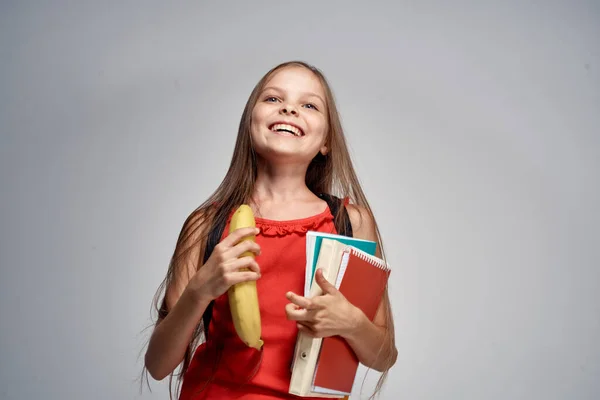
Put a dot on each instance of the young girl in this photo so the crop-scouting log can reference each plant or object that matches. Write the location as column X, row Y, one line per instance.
column 290, row 158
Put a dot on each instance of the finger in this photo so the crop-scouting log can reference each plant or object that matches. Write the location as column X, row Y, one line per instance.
column 234, row 237
column 243, row 247
column 324, row 284
column 241, row 276
column 243, row 262
column 306, row 329
column 293, row 313
column 300, row 301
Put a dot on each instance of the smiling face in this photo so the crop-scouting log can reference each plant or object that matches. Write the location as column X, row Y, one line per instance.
column 289, row 120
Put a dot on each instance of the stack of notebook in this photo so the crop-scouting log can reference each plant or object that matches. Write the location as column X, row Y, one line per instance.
column 326, row 367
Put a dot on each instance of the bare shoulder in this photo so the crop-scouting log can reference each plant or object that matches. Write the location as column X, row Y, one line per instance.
column 363, row 223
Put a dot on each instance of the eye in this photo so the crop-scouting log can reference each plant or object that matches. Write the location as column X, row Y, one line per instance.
column 271, row 99
column 310, row 105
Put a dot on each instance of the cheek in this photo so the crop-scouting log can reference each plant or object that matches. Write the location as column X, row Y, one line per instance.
column 318, row 124
column 255, row 116
column 260, row 114
column 257, row 119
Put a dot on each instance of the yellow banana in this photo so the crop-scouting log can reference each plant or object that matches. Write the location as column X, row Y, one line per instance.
column 243, row 297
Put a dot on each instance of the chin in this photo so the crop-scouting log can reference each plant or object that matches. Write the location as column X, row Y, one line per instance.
column 278, row 148
column 280, row 155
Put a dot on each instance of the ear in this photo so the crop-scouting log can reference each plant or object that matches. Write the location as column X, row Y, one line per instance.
column 324, row 150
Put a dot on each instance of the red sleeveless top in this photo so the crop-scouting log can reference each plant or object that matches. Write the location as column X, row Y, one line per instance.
column 224, row 367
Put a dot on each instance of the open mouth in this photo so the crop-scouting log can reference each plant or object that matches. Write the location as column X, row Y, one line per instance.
column 286, row 128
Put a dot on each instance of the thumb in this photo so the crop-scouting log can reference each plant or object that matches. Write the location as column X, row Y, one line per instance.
column 324, row 284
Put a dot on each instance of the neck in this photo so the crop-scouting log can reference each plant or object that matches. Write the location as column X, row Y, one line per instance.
column 280, row 183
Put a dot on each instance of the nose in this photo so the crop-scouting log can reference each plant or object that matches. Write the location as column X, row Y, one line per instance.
column 289, row 109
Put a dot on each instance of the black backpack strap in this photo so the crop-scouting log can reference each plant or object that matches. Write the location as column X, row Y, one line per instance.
column 334, row 204
column 214, row 237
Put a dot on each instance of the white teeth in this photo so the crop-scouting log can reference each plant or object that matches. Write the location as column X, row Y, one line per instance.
column 287, row 127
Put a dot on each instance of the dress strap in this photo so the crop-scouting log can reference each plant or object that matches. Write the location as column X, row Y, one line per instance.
column 343, row 227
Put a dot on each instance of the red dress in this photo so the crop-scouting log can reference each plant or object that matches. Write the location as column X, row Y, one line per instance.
column 282, row 262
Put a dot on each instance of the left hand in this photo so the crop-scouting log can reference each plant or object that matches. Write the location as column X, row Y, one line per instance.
column 326, row 315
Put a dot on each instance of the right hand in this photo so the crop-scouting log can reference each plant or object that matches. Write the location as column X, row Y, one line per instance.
column 222, row 269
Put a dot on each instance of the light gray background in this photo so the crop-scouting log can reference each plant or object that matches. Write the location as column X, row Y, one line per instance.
column 475, row 129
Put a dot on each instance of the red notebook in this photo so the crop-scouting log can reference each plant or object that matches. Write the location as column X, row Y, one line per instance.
column 363, row 282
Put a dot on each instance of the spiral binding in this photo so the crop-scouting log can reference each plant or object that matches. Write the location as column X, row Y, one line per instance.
column 376, row 261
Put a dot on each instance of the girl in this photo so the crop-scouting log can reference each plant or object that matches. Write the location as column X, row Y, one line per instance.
column 290, row 156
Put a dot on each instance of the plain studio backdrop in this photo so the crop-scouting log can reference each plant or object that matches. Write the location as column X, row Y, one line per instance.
column 475, row 128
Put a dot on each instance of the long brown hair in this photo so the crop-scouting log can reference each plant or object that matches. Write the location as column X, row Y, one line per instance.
column 333, row 173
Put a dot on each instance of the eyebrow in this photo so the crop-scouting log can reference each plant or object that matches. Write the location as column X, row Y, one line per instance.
column 310, row 94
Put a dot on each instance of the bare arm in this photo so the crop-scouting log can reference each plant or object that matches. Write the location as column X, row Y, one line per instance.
column 185, row 307
column 190, row 292
column 172, row 335
column 373, row 342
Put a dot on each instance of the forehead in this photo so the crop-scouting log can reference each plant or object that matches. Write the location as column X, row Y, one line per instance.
column 295, row 78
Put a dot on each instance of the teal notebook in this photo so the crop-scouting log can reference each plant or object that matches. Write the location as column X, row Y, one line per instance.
column 313, row 246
